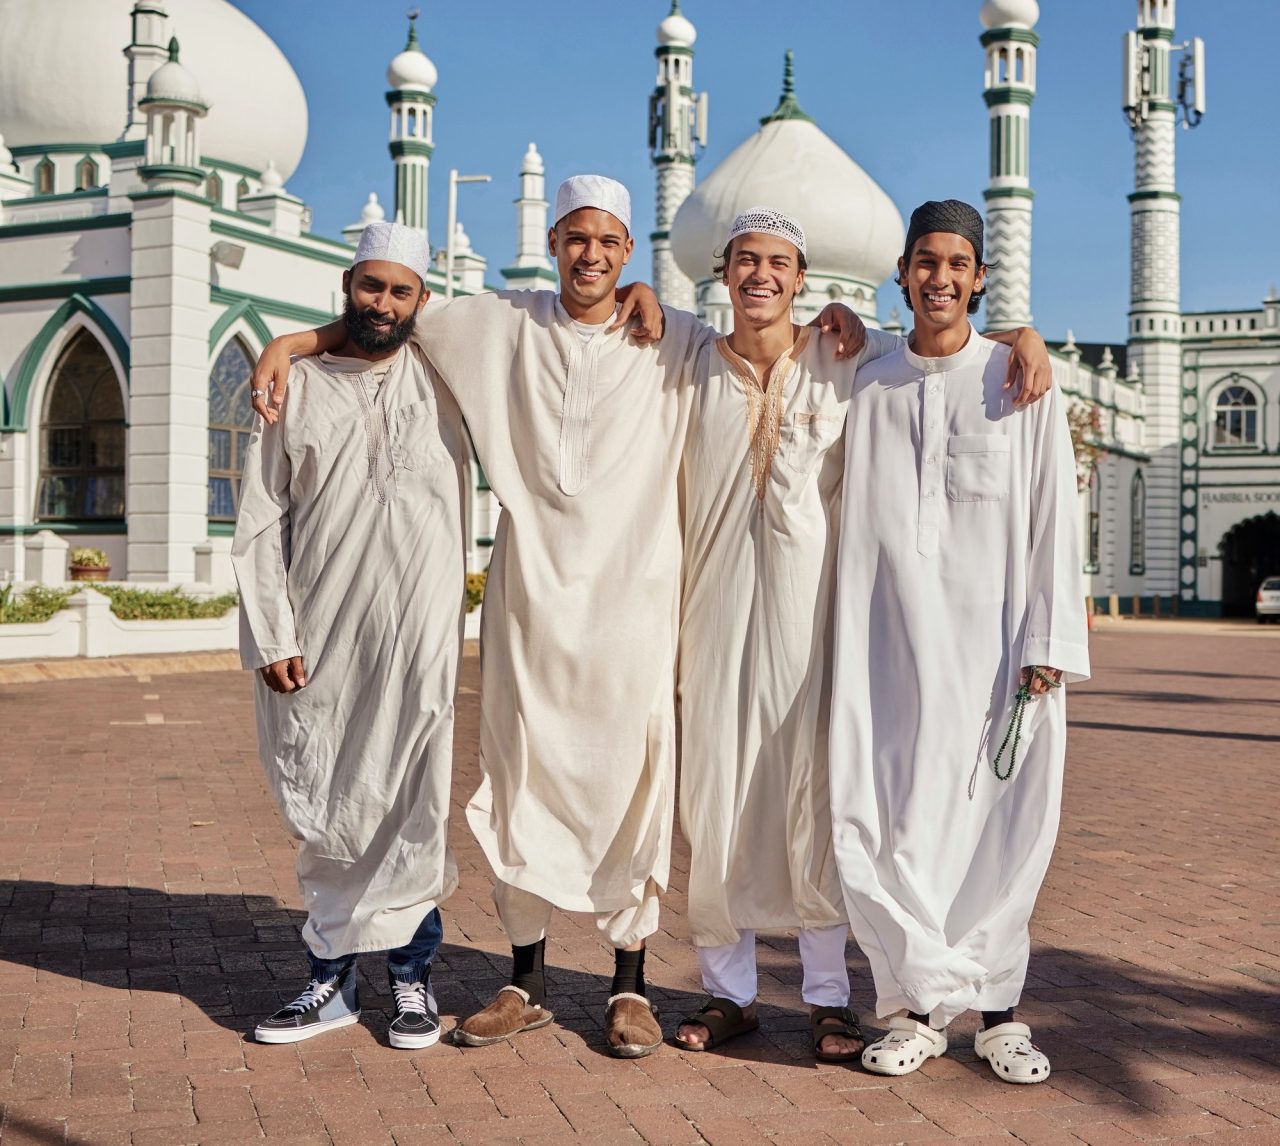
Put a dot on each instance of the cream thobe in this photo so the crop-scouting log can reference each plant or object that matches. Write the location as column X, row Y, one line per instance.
column 581, row 445
column 755, row 649
column 959, row 564
column 349, row 553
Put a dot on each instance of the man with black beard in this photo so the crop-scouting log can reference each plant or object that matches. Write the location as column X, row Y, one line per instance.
column 355, row 494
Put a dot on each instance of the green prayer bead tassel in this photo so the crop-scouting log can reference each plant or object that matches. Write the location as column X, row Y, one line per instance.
column 1020, row 702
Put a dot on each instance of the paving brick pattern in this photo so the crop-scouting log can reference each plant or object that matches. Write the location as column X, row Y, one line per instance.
column 149, row 915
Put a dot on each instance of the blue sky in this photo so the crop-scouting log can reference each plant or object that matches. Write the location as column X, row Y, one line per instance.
column 896, row 84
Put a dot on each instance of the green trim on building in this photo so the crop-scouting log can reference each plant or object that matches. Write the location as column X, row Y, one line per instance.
column 193, row 175
column 1156, row 34
column 274, row 307
column 165, row 101
column 30, row 149
column 56, row 226
column 143, row 196
column 24, row 378
column 108, row 526
column 227, row 165
column 124, row 148
column 38, row 292
column 672, row 50
column 1003, row 94
column 539, row 273
column 1139, row 196
column 221, row 528
column 410, row 95
column 399, row 148
column 1009, row 35
column 245, row 310
column 60, row 197
column 1008, row 193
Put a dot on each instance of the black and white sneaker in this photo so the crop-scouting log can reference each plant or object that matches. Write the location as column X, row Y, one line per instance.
column 321, row 1007
column 416, row 1023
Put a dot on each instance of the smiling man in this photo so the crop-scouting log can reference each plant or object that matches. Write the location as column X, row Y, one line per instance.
column 959, row 615
column 355, row 493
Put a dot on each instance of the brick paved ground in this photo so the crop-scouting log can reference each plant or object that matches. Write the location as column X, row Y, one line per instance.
column 149, row 916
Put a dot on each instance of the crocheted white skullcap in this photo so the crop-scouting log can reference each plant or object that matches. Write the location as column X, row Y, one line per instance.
column 594, row 191
column 394, row 243
column 767, row 221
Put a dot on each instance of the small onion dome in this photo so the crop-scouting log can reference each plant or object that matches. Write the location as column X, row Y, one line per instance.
column 461, row 241
column 675, row 31
column 411, row 68
column 1010, row 13
column 271, row 179
column 372, row 211
column 532, row 164
column 172, row 83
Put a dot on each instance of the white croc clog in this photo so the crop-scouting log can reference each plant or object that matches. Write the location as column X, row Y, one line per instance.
column 1010, row 1052
column 905, row 1048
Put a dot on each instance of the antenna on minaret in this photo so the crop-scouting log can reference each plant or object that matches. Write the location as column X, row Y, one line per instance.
column 1144, row 54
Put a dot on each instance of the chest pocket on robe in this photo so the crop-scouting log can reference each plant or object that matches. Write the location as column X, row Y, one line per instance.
column 806, row 437
column 417, row 447
column 977, row 467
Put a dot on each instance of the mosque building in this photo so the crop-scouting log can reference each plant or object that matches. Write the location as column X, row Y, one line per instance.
column 150, row 247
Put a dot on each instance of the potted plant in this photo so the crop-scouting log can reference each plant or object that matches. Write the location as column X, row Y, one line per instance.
column 89, row 565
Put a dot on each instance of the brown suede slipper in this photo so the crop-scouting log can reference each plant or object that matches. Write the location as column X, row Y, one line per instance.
column 631, row 1026
column 509, row 1014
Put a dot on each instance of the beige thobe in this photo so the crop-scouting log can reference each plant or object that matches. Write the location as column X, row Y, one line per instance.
column 354, row 498
column 760, row 539
column 581, row 445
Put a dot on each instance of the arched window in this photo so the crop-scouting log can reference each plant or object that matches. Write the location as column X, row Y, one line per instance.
column 411, row 128
column 82, row 437
column 1093, row 542
column 1235, row 422
column 242, row 189
column 86, row 174
column 230, row 420
column 44, row 176
column 1138, row 524
column 213, row 188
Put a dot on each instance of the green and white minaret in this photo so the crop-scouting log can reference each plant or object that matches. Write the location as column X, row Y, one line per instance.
column 1154, row 93
column 1009, row 89
column 411, row 76
column 677, row 125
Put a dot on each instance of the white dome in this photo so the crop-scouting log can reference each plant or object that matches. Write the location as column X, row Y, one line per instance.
column 852, row 229
column 411, row 68
column 172, row 81
column 1006, row 13
column 675, row 31
column 64, row 79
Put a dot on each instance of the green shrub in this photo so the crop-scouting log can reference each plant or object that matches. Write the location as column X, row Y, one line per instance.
column 36, row 604
column 164, row 604
column 475, row 590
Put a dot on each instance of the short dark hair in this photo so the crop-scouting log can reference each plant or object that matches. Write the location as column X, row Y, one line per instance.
column 975, row 299
column 721, row 264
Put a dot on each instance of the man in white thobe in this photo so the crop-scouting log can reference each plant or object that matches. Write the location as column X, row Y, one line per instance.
column 354, row 495
column 761, row 484
column 959, row 586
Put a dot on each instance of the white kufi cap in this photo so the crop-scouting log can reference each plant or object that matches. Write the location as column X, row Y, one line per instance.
column 766, row 221
column 594, row 191
column 394, row 243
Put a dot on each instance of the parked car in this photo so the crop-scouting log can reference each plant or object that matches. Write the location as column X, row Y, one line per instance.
column 1269, row 601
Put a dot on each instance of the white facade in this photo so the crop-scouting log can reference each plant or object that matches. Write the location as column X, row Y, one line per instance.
column 142, row 270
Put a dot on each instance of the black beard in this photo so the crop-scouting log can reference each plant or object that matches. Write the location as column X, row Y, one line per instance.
column 364, row 334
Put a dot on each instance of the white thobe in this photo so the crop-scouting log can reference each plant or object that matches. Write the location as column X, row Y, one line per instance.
column 959, row 564
column 353, row 500
column 580, row 442
column 755, row 649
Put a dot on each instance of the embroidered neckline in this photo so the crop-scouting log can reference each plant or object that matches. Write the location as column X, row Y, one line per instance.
column 764, row 404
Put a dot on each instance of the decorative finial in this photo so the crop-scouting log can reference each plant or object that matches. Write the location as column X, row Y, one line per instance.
column 1108, row 359
column 675, row 7
column 787, row 107
column 411, row 45
column 173, row 49
column 1070, row 343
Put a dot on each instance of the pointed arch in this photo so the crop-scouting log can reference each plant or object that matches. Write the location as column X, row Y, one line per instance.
column 44, row 177
column 76, row 311
column 242, row 311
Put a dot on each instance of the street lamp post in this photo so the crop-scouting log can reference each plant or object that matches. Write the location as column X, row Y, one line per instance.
column 454, row 180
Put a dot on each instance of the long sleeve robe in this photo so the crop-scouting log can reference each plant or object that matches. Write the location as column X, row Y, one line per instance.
column 349, row 553
column 755, row 646
column 959, row 564
column 581, row 444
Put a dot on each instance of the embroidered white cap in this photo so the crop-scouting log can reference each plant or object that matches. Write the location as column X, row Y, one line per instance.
column 767, row 221
column 594, row 191
column 394, row 243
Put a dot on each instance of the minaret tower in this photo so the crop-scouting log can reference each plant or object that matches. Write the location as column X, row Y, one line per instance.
column 148, row 50
column 411, row 76
column 1153, row 96
column 677, row 125
column 1009, row 88
column 531, row 269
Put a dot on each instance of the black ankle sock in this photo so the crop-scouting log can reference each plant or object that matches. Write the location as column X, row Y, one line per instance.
column 995, row 1018
column 628, row 972
column 918, row 1018
column 526, row 970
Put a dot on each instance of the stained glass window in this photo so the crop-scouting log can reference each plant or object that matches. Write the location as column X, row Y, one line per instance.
column 230, row 420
